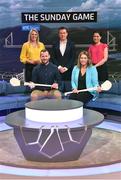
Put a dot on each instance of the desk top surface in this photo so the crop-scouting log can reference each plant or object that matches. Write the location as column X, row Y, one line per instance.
column 90, row 118
column 54, row 104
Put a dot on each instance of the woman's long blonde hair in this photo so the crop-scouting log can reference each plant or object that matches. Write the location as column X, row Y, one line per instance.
column 29, row 36
column 89, row 63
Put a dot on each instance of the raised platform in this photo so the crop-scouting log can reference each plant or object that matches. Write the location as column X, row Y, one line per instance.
column 102, row 149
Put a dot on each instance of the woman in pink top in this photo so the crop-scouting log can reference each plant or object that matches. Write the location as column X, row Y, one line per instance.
column 98, row 52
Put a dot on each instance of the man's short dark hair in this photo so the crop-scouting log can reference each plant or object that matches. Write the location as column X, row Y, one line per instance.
column 44, row 50
column 63, row 28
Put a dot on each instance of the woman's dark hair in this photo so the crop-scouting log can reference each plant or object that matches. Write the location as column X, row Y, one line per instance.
column 97, row 33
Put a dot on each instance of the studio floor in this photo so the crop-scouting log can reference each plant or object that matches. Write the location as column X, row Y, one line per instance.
column 101, row 158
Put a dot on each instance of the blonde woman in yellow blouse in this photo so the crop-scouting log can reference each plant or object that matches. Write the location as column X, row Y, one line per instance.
column 30, row 53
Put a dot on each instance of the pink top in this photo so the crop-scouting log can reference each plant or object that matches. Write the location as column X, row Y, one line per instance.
column 97, row 52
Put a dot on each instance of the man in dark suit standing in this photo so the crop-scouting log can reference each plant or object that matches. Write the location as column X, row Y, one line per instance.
column 63, row 54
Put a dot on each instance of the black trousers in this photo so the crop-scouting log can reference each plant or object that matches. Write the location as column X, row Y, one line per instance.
column 82, row 96
column 28, row 71
column 102, row 72
column 66, row 76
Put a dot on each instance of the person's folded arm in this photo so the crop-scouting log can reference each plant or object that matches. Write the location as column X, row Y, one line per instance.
column 104, row 59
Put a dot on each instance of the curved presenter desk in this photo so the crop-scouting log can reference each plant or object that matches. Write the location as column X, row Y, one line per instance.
column 54, row 132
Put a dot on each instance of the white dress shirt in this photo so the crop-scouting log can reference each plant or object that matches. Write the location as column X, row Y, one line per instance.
column 63, row 46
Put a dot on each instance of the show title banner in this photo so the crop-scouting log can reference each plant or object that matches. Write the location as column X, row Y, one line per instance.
column 59, row 17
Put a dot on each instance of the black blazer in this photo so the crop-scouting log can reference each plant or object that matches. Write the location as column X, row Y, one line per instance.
column 67, row 60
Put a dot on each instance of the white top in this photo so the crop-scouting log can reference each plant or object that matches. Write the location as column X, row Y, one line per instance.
column 63, row 47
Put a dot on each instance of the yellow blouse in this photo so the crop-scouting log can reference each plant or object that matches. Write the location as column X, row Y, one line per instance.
column 29, row 52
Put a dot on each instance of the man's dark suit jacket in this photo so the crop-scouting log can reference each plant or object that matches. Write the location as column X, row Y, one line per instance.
column 67, row 60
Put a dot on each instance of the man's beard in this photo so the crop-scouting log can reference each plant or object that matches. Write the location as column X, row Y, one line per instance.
column 45, row 63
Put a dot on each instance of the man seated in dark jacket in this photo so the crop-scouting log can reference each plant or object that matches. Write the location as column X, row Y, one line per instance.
column 45, row 73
